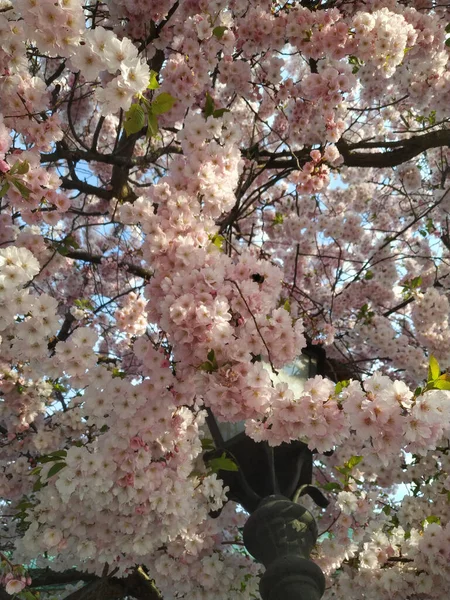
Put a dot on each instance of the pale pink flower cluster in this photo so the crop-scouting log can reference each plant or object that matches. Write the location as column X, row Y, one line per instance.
column 41, row 188
column 131, row 317
column 411, row 177
column 382, row 417
column 27, row 323
column 137, row 479
column 314, row 175
column 55, row 26
column 382, row 39
column 380, row 334
column 314, row 417
column 131, row 12
column 13, row 582
column 45, row 133
column 104, row 51
column 12, row 52
column 430, row 315
column 242, row 264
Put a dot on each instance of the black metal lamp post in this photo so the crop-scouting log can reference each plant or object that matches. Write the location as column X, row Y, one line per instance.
column 279, row 532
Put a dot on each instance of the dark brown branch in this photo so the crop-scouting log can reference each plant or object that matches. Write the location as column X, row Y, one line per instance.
column 56, row 74
column 86, row 188
column 63, row 152
column 122, row 162
column 97, row 259
column 101, row 589
column 382, row 154
column 45, row 577
column 137, row 585
column 97, row 133
column 63, row 333
column 391, row 153
column 404, row 150
column 391, row 311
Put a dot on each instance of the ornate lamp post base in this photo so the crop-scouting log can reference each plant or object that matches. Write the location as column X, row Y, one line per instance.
column 281, row 534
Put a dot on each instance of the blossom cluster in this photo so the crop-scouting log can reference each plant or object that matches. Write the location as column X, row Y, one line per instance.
column 147, row 276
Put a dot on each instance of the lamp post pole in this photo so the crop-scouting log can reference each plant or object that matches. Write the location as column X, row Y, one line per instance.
column 279, row 532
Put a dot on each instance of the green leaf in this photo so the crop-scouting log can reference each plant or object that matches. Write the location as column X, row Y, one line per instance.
column 433, row 369
column 432, row 519
column 25, row 192
column 222, row 464
column 219, row 112
column 387, row 510
column 207, row 366
column 59, row 454
column 287, row 306
column 24, row 504
column 38, row 485
column 28, row 595
column 58, row 387
column 211, row 364
column 218, row 240
column 353, row 461
column 207, row 444
column 66, row 245
column 219, row 31
column 152, row 124
column 55, row 469
column 365, row 313
column 341, row 385
column 278, row 220
column 369, row 275
column 23, row 167
column 331, row 486
column 35, row 471
column 83, row 303
column 134, row 119
column 441, row 384
column 162, row 103
column 430, row 226
column 208, row 111
column 394, row 520
column 54, row 456
column 153, row 84
column 196, row 473
column 117, row 373
column 71, row 242
column 4, row 189
column 447, row 42
column 447, row 28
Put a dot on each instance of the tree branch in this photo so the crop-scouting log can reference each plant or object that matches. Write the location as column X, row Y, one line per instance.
column 391, row 153
column 97, row 259
column 44, row 577
column 137, row 585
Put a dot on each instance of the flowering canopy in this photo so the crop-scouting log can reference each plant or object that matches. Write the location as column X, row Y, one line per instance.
column 191, row 192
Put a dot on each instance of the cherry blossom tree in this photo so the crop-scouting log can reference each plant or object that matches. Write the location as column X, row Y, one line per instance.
column 192, row 192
